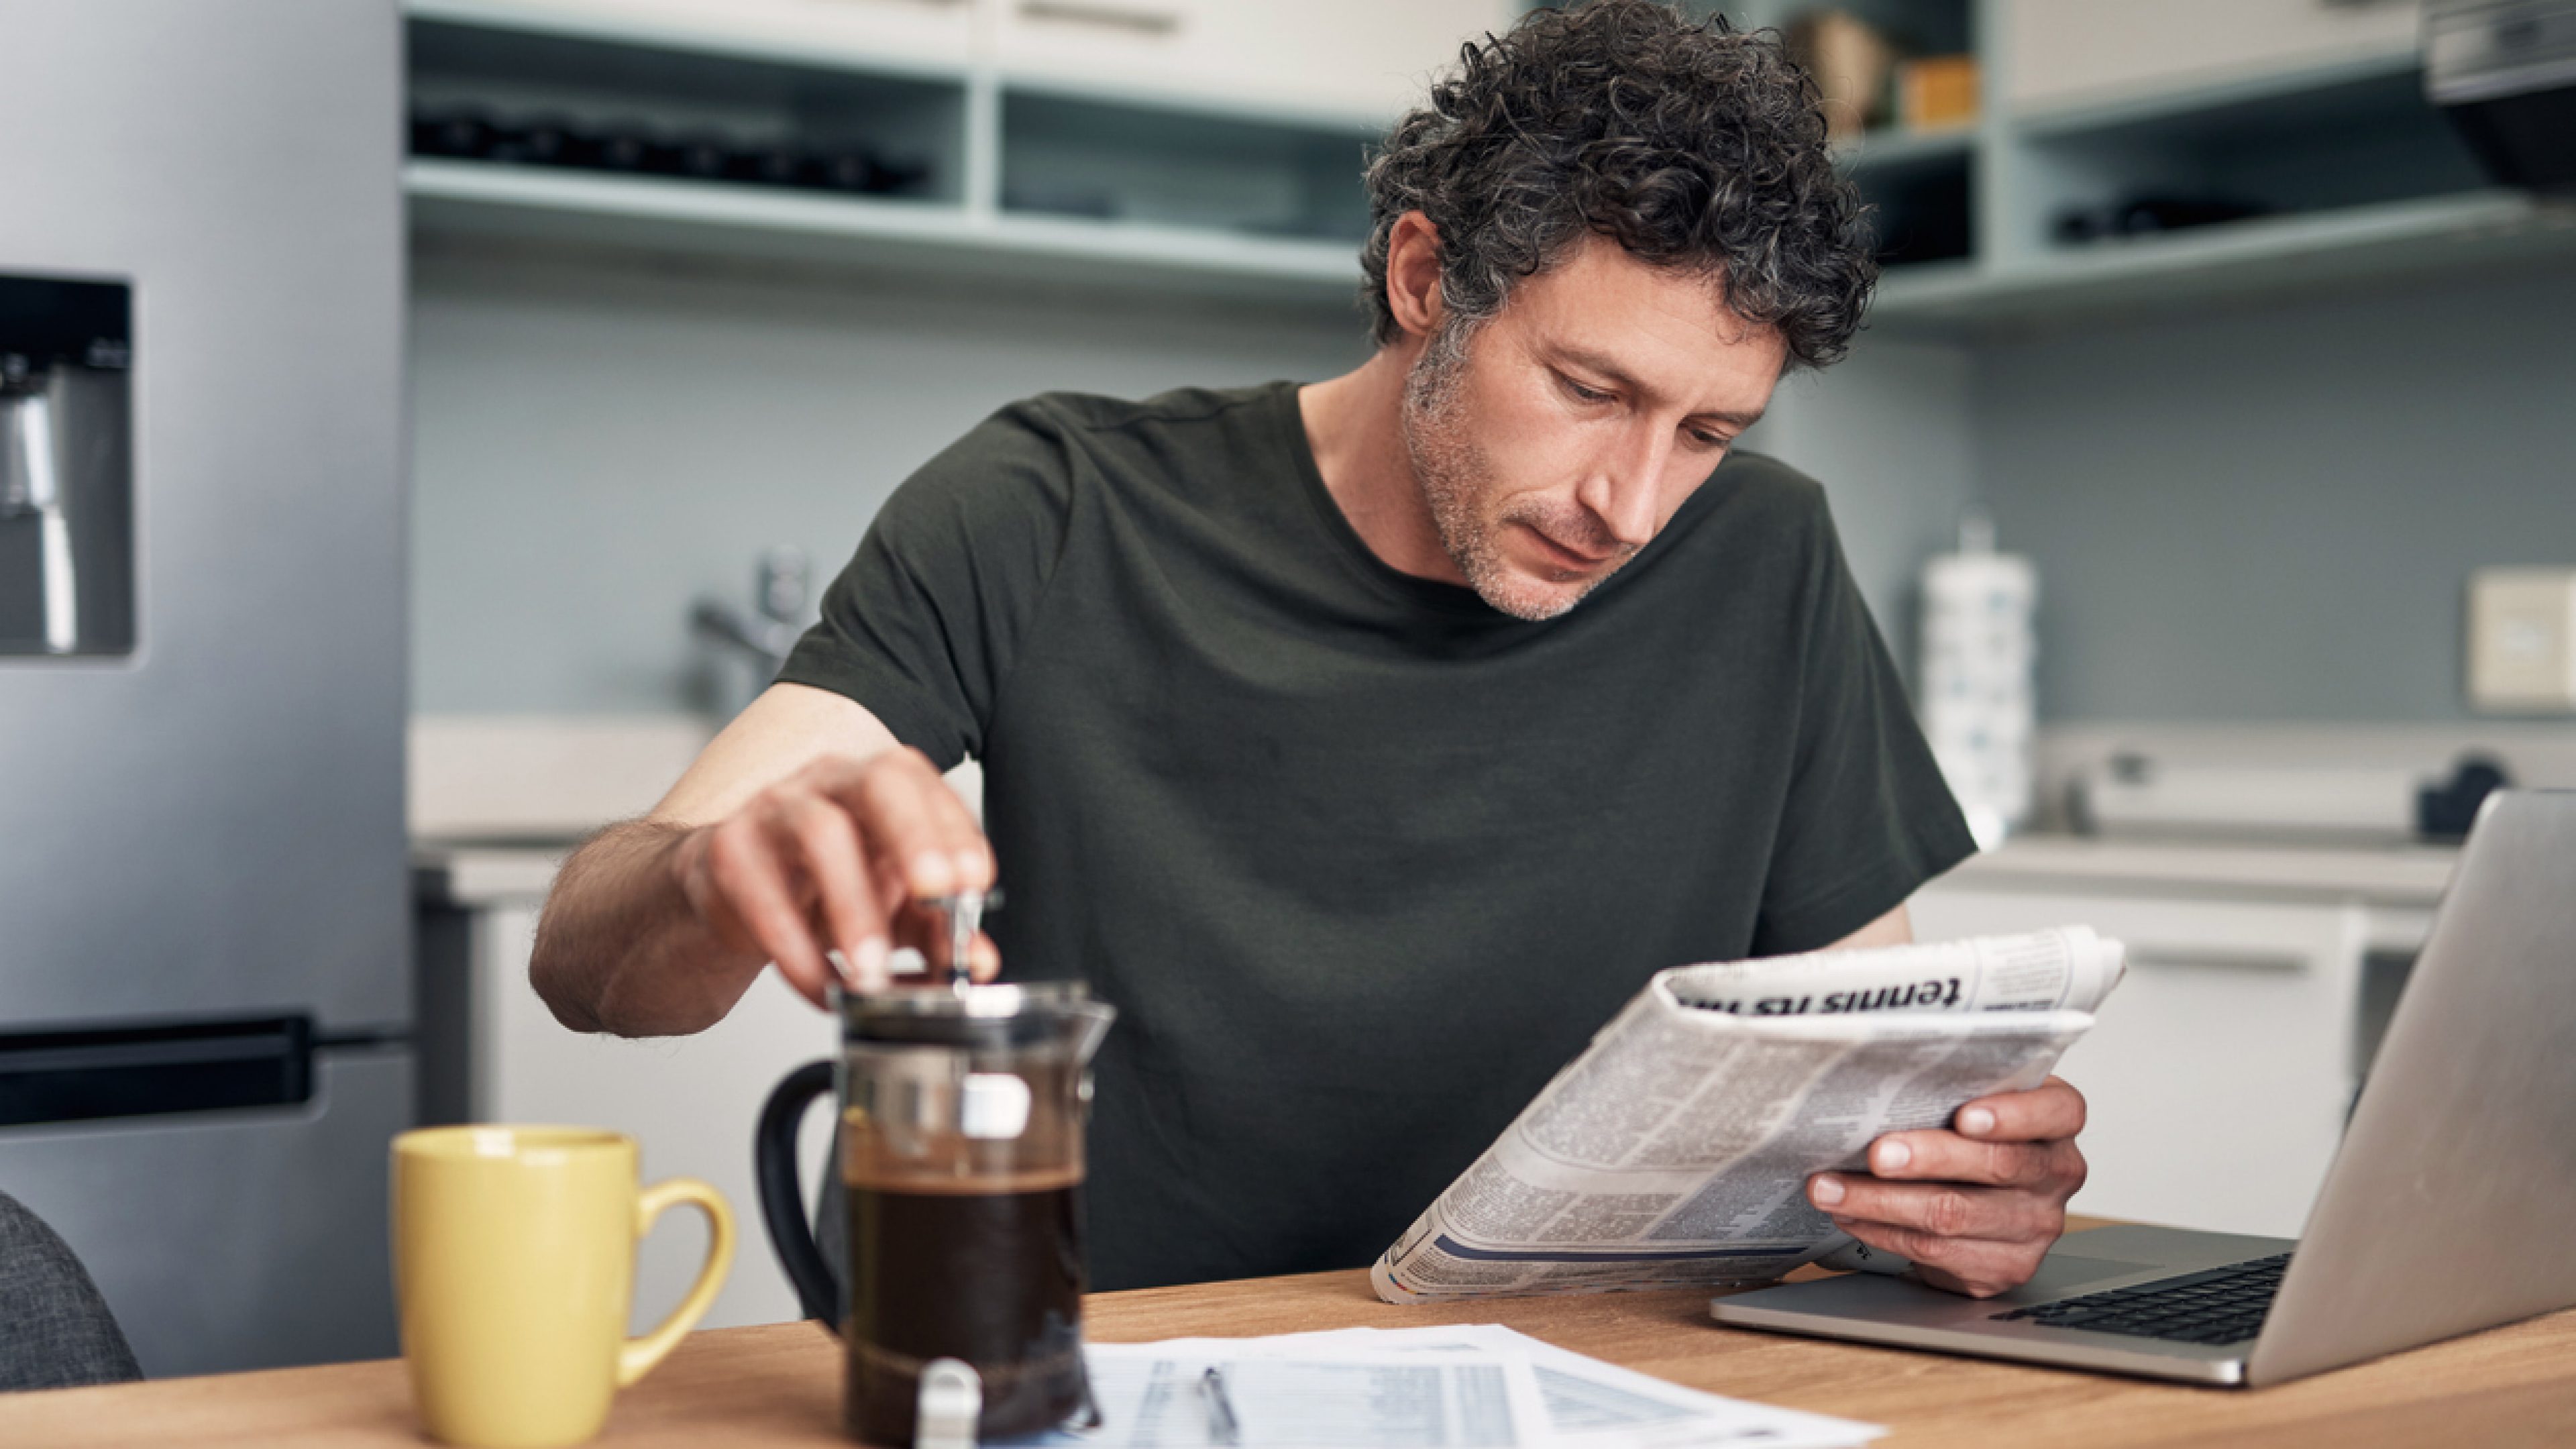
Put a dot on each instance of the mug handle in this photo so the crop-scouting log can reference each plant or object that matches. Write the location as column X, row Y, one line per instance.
column 637, row 1356
column 782, row 1198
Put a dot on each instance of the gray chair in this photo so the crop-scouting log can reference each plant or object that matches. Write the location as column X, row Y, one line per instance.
column 55, row 1331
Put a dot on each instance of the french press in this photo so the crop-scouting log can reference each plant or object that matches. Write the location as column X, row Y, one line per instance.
column 961, row 1153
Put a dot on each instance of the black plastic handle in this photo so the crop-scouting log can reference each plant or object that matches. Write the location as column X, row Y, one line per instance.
column 782, row 1199
column 84, row 1073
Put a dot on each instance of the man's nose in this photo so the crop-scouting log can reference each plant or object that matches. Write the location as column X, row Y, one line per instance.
column 1622, row 486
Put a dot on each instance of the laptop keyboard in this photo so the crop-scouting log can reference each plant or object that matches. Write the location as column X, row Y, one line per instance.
column 2222, row 1305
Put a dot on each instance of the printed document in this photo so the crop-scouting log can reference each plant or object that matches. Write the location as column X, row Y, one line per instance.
column 1480, row 1387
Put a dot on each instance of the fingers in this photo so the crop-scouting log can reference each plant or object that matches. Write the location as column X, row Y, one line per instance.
column 2052, row 1109
column 1941, row 1209
column 924, row 927
column 1975, row 1213
column 921, row 840
column 1976, row 1267
column 972, row 858
column 925, row 845
column 821, row 836
column 834, row 862
column 1973, row 1240
column 1936, row 1156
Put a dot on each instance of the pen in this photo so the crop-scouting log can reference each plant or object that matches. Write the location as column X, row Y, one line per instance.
column 1222, row 1427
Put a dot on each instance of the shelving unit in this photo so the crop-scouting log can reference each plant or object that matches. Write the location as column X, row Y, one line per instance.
column 1033, row 182
column 2360, row 181
column 1059, row 182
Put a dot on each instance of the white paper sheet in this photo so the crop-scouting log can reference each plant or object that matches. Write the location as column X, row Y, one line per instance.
column 1333, row 1390
column 1150, row 1397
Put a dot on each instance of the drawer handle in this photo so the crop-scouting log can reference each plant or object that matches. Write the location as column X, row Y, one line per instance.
column 83, row 1074
column 1134, row 20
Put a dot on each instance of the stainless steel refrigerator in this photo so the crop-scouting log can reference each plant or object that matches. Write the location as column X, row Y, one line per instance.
column 204, row 988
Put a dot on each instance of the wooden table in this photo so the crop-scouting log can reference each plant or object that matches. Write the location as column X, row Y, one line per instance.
column 780, row 1384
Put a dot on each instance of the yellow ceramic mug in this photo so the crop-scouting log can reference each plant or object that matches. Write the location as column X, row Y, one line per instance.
column 514, row 1261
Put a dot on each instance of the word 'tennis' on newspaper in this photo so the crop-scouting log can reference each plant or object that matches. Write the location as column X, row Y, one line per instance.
column 1675, row 1150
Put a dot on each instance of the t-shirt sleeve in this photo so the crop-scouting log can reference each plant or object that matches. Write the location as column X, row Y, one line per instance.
column 926, row 622
column 1868, row 818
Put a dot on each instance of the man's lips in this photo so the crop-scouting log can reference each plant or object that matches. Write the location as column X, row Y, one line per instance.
column 1568, row 558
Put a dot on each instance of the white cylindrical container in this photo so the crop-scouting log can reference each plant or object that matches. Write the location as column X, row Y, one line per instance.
column 1979, row 667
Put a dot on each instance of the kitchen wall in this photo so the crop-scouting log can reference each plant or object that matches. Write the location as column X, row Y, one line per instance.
column 2263, row 514
column 1888, row 432
column 2270, row 513
column 596, row 445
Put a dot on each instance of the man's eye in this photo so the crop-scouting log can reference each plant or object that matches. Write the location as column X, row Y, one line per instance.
column 1582, row 393
column 1708, row 442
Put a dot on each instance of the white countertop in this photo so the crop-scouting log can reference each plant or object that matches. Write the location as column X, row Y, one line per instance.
column 476, row 876
column 2408, row 876
column 541, row 783
column 2393, row 875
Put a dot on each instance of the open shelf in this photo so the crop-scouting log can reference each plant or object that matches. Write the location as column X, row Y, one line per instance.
column 1882, row 151
column 832, row 156
column 471, row 200
column 2312, row 144
column 2280, row 256
column 1922, row 215
column 1076, row 155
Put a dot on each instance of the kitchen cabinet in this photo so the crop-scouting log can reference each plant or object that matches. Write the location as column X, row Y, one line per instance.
column 1354, row 57
column 493, row 1052
column 1214, row 146
column 939, row 33
column 1208, row 147
column 2081, row 52
column 2220, row 1073
column 2310, row 115
column 1350, row 59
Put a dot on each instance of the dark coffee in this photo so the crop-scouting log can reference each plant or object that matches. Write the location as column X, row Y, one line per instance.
column 988, row 1271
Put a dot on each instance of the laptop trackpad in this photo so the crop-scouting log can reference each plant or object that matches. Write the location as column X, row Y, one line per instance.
column 2062, row 1273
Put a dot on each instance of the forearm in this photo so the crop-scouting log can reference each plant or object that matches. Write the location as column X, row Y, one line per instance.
column 620, row 950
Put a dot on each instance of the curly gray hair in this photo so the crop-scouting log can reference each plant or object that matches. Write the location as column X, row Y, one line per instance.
column 1690, row 144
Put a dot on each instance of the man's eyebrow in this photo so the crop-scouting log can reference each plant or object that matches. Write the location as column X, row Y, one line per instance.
column 1613, row 373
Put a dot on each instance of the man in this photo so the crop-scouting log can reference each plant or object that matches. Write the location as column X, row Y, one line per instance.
column 1370, row 743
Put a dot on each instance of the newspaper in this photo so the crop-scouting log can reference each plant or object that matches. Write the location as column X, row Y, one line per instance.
column 1675, row 1151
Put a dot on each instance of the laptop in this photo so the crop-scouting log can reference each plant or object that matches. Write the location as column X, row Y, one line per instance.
column 2445, row 1211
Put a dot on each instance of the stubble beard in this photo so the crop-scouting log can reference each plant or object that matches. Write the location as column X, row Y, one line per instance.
column 1456, row 479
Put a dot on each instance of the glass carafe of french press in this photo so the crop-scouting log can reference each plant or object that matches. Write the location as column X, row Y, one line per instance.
column 961, row 1153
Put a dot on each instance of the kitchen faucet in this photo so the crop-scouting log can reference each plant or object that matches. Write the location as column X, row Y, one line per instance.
column 779, row 591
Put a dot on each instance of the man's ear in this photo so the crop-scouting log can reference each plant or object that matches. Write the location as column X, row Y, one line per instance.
column 1413, row 275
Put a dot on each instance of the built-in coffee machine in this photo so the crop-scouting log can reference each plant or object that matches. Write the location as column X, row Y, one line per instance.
column 66, row 467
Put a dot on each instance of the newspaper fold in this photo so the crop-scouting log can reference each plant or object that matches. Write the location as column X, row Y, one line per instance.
column 1675, row 1150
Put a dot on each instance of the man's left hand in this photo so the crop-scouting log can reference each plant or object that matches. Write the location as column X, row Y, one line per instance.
column 1977, row 1207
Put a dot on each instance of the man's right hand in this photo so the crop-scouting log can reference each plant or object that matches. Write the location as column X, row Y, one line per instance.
column 845, row 854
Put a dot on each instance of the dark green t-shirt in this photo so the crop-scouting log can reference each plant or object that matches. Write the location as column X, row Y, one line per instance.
column 1360, row 860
